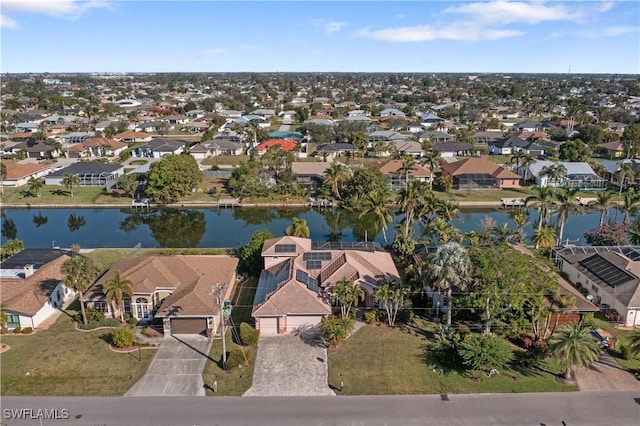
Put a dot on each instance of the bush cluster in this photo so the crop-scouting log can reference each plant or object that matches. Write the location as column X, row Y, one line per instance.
column 27, row 330
column 122, row 337
column 235, row 358
column 17, row 330
column 248, row 335
column 336, row 330
column 370, row 317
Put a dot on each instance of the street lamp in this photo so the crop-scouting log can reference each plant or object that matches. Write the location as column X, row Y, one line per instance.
column 217, row 291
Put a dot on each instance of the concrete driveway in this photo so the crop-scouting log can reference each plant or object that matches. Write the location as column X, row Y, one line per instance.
column 291, row 365
column 176, row 369
column 605, row 375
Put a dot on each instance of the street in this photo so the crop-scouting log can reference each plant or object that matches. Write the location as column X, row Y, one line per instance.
column 548, row 409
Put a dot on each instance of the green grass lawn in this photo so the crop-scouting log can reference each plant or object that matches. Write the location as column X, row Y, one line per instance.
column 62, row 361
column 104, row 258
column 623, row 337
column 53, row 194
column 379, row 360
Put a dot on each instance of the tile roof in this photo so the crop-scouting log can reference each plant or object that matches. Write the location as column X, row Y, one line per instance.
column 285, row 144
column 17, row 171
column 478, row 165
column 96, row 143
column 393, row 167
column 292, row 298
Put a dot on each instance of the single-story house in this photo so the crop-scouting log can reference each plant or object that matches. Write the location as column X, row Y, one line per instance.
column 412, row 148
column 357, row 119
column 76, row 137
column 293, row 289
column 579, row 175
column 387, row 112
column 611, row 275
column 19, row 174
column 97, row 147
column 333, row 149
column 196, row 126
column 264, row 113
column 88, row 173
column 436, row 137
column 486, row 137
column 454, row 149
column 386, row 136
column 38, row 149
column 612, row 149
column 512, row 144
column 152, row 126
column 159, row 147
column 177, row 289
column 31, row 286
column 284, row 144
column 309, row 175
column 131, row 136
column 214, row 147
column 396, row 177
column 479, row 172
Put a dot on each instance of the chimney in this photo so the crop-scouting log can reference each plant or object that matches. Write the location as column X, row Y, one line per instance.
column 28, row 271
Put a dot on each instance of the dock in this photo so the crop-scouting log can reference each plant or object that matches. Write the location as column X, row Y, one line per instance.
column 512, row 202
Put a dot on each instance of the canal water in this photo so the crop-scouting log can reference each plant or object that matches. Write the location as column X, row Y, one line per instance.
column 94, row 228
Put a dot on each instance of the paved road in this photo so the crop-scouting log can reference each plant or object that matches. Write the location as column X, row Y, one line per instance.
column 176, row 368
column 550, row 409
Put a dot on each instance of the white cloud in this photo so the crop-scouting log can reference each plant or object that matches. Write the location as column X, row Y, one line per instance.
column 616, row 31
column 213, row 52
column 329, row 27
column 6, row 22
column 68, row 9
column 506, row 12
column 459, row 31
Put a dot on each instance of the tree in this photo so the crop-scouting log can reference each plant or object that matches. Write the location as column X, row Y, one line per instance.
column 544, row 236
column 634, row 233
column 602, row 203
column 629, row 205
column 625, row 173
column 129, row 184
column 35, row 185
column 408, row 164
column 567, row 204
column 391, row 297
column 10, row 248
column 575, row 345
column 172, row 177
column 634, row 344
column 555, row 173
column 431, row 158
column 70, row 180
column 608, row 235
column 3, row 176
column 543, row 199
column 302, row 114
column 517, row 158
column 520, row 220
column 250, row 255
column 413, row 198
column 80, row 274
column 347, row 294
column 298, row 228
column 450, row 268
column 574, row 150
column 376, row 204
column 335, row 176
column 363, row 181
column 525, row 162
column 503, row 233
column 360, row 140
column 482, row 352
column 631, row 140
column 115, row 289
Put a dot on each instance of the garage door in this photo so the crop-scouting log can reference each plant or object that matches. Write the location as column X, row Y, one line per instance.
column 295, row 321
column 268, row 325
column 188, row 326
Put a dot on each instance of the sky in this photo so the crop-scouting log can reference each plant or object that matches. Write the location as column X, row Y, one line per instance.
column 330, row 36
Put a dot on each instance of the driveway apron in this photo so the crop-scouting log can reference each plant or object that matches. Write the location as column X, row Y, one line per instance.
column 605, row 375
column 290, row 365
column 176, row 369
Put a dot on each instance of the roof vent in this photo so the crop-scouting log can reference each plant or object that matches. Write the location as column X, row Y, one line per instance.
column 28, row 271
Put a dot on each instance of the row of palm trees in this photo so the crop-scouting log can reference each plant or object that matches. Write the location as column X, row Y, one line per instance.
column 35, row 185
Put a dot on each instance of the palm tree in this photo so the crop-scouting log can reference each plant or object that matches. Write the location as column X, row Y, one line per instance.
column 447, row 210
column 35, row 185
column 80, row 273
column 544, row 236
column 520, row 220
column 554, row 172
column 517, row 158
column 634, row 343
column 567, row 203
column 114, row 291
column 543, row 199
column 450, row 268
column 602, row 203
column 629, row 205
column 377, row 203
column 75, row 222
column 69, row 181
column 335, row 176
column 405, row 169
column 525, row 162
column 431, row 158
column 411, row 199
column 625, row 171
column 4, row 317
column 347, row 294
column 503, row 233
column 298, row 228
column 576, row 346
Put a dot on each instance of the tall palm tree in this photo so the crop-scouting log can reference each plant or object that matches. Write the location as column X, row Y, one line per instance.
column 525, row 162
column 575, row 345
column 448, row 210
column 629, row 205
column 602, row 203
column 431, row 158
column 408, row 164
column 70, row 180
column 517, row 158
column 503, row 233
column 450, row 268
column 411, row 199
column 298, row 228
column 377, row 203
column 520, row 220
column 634, row 343
column 114, row 291
column 544, row 236
column 35, row 185
column 624, row 173
column 80, row 273
column 567, row 203
column 335, row 176
column 554, row 172
column 347, row 294
column 543, row 199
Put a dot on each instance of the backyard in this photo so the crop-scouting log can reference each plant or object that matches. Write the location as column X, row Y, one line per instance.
column 380, row 360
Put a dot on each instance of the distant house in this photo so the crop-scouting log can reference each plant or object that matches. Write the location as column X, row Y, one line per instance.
column 512, row 144
column 479, row 172
column 152, row 126
column 430, row 119
column 38, row 149
column 132, row 136
column 412, row 148
column 334, row 149
column 386, row 136
column 214, row 147
column 397, row 178
column 436, row 137
column 31, row 286
column 19, row 174
column 309, row 175
column 612, row 149
column 298, row 274
column 486, row 137
column 454, row 149
column 159, row 147
column 391, row 112
column 76, row 137
column 264, row 113
column 284, row 144
column 174, row 288
column 611, row 275
column 88, row 174
column 528, row 126
column 97, row 147
column 196, row 126
column 579, row 175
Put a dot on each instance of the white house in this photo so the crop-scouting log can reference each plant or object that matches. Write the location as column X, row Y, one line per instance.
column 579, row 175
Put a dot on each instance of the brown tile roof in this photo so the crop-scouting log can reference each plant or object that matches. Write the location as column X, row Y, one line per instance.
column 96, row 143
column 477, row 165
column 393, row 166
column 191, row 277
column 17, row 171
column 131, row 134
column 27, row 296
column 292, row 298
column 302, row 245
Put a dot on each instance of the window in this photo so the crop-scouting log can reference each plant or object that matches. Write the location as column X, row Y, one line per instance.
column 13, row 321
column 101, row 306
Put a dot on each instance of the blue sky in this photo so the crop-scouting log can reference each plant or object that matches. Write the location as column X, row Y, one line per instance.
column 344, row 36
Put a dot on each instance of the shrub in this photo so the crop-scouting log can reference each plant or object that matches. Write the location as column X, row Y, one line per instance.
column 4, row 330
column 105, row 322
column 122, row 337
column 530, row 358
column 248, row 335
column 17, row 330
column 29, row 330
column 333, row 330
column 485, row 352
column 370, row 317
column 235, row 358
column 624, row 352
column 405, row 316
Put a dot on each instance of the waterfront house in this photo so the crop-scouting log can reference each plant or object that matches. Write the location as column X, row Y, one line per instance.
column 479, row 172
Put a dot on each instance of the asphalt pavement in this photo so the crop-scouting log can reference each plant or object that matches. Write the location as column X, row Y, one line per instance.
column 534, row 409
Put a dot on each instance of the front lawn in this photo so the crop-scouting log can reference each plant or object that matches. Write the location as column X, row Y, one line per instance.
column 379, row 360
column 62, row 361
column 623, row 338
